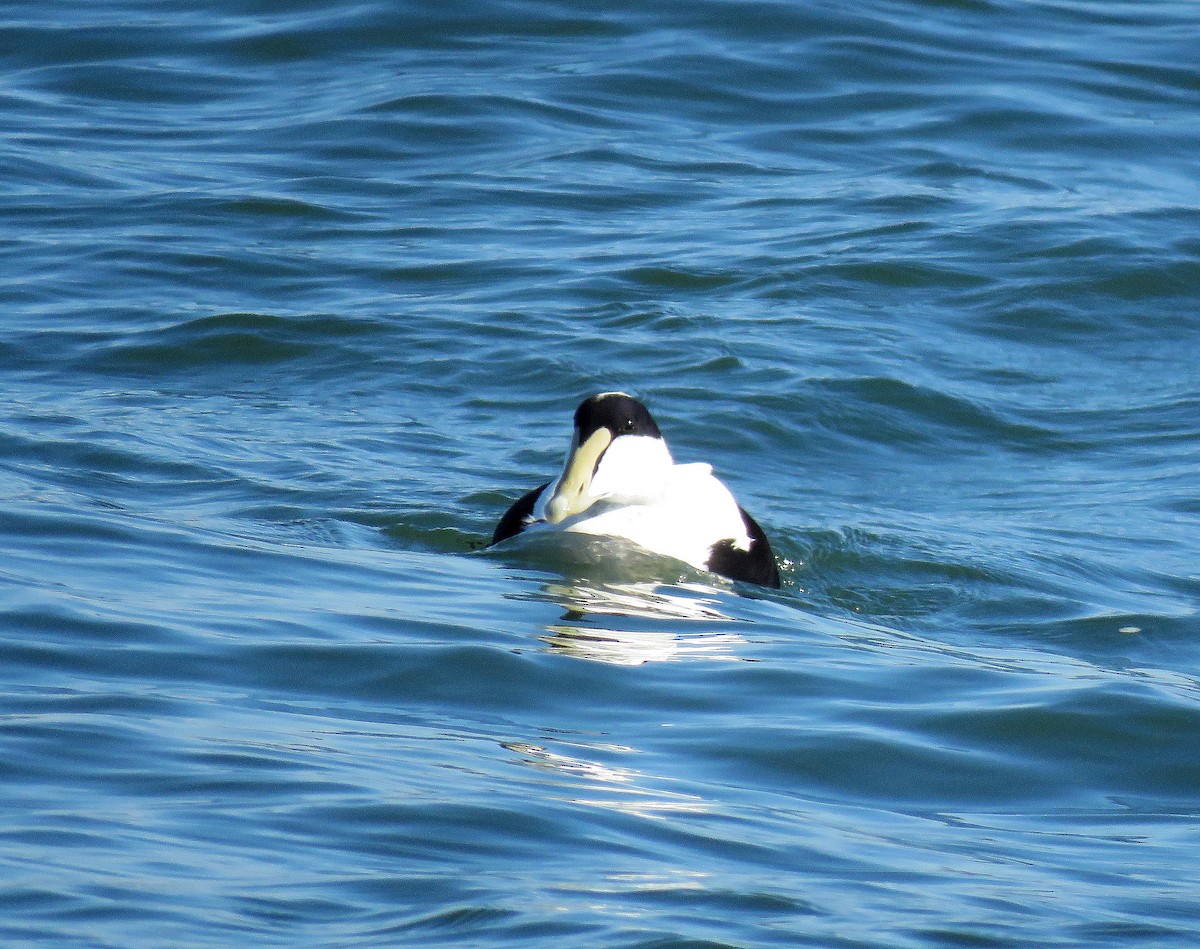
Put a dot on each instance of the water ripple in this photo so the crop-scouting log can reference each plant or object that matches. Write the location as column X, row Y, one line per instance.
column 297, row 300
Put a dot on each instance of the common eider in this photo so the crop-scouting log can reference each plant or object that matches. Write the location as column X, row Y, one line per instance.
column 619, row 480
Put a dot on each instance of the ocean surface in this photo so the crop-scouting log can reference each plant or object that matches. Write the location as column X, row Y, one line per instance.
column 297, row 297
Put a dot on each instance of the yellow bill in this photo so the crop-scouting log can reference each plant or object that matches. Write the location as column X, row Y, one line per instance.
column 571, row 494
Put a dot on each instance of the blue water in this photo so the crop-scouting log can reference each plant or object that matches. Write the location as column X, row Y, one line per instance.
column 296, row 299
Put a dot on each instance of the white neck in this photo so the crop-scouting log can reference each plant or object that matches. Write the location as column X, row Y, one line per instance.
column 633, row 466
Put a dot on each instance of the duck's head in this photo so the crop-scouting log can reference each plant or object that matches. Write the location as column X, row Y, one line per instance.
column 616, row 452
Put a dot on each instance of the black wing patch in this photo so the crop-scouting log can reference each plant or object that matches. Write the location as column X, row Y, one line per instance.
column 513, row 522
column 756, row 565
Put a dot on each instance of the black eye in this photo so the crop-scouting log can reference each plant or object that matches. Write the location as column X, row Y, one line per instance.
column 628, row 425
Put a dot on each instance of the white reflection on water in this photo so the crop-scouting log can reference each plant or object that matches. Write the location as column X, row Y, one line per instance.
column 608, row 786
column 636, row 623
column 626, row 623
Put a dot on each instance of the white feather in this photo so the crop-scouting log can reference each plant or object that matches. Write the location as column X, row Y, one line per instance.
column 641, row 495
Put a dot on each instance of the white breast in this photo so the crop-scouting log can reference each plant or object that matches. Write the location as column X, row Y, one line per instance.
column 687, row 512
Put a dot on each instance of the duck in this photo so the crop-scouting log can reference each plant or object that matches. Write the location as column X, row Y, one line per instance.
column 620, row 480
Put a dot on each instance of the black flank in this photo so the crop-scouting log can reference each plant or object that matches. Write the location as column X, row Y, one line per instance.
column 513, row 522
column 756, row 565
